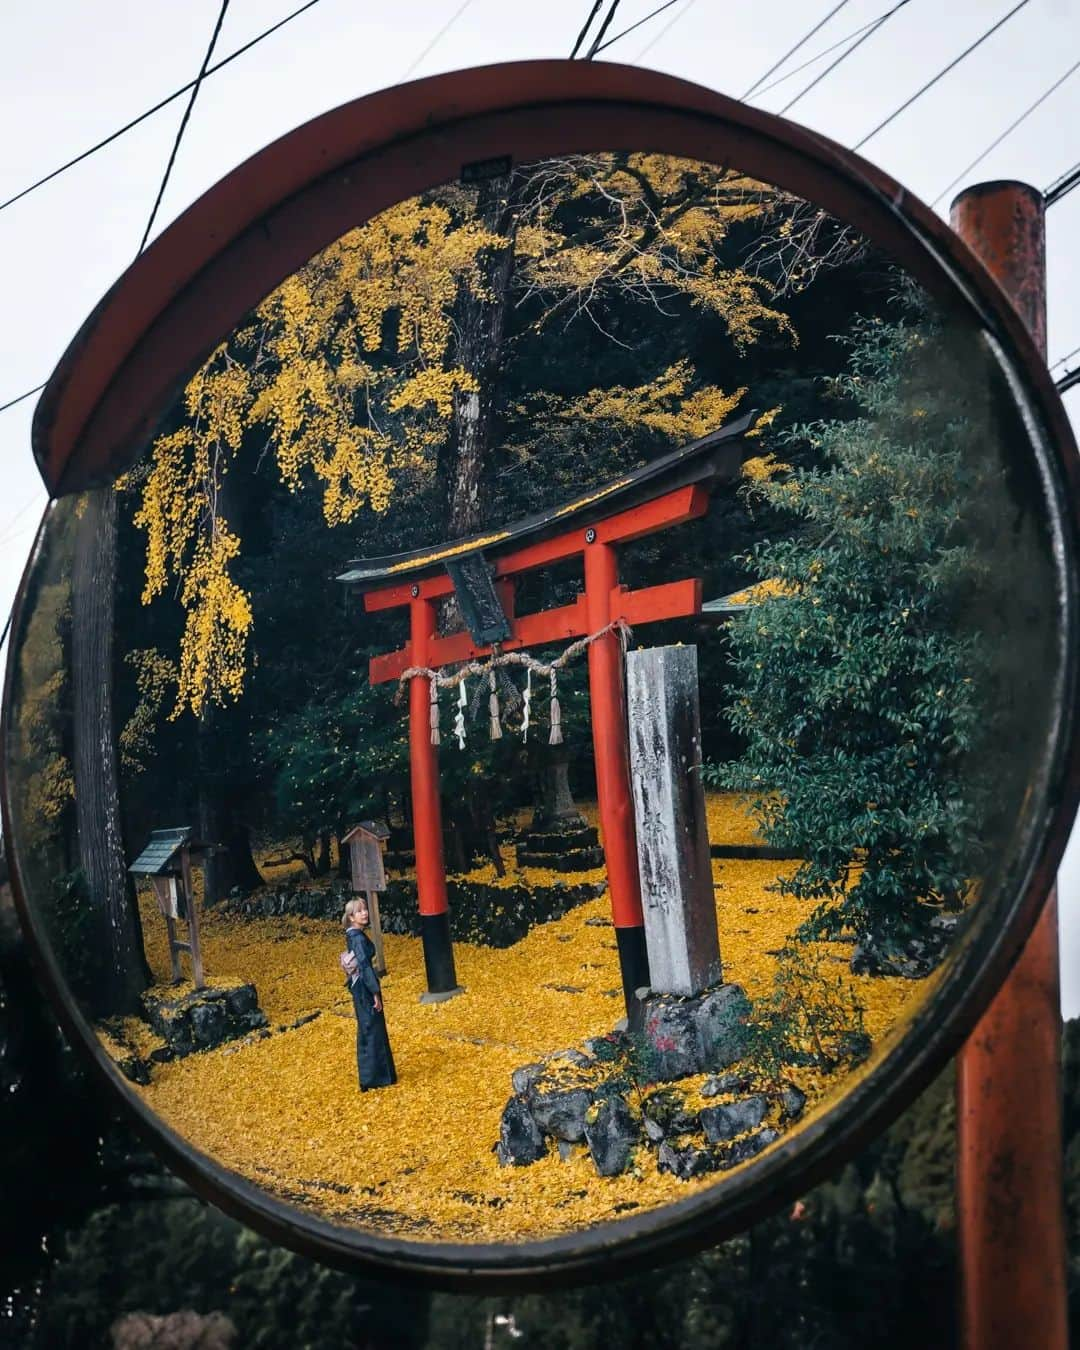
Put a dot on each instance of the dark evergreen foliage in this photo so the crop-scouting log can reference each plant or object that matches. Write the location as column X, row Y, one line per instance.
column 863, row 682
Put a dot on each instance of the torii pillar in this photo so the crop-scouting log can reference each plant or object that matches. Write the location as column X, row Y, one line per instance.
column 614, row 797
column 427, row 815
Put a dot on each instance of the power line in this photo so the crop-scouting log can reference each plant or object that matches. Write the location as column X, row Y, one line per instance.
column 7, row 532
column 790, row 53
column 128, row 126
column 659, row 10
column 875, row 27
column 603, row 30
column 1061, row 187
column 1007, row 132
column 183, row 124
column 164, row 103
column 1067, row 357
column 941, row 74
column 827, row 51
column 588, row 24
column 659, row 37
column 19, row 397
column 438, row 37
column 1069, row 381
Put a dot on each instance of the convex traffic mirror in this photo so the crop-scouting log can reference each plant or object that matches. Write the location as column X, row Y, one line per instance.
column 540, row 710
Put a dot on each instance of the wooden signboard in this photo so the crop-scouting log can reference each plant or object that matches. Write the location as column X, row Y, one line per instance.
column 166, row 862
column 166, row 896
column 366, row 843
column 366, row 863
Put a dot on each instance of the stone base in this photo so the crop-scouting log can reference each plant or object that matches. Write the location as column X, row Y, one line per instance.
column 575, row 834
column 573, row 860
column 441, row 995
column 684, row 1036
column 202, row 1019
column 570, row 845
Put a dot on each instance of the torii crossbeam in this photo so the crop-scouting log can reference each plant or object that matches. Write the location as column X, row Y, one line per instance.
column 668, row 491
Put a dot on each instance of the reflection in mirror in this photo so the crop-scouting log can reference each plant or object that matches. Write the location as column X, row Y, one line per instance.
column 554, row 696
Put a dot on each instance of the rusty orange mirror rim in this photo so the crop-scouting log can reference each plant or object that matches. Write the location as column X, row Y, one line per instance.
column 269, row 216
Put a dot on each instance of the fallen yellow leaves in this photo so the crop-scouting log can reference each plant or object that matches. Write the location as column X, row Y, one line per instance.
column 285, row 1112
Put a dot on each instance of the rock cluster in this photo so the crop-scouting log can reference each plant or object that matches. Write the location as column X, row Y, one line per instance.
column 325, row 901
column 914, row 959
column 547, row 1109
column 621, row 1102
column 203, row 1018
column 248, row 1026
column 546, row 1112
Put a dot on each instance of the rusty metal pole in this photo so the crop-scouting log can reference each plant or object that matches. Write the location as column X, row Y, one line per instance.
column 1010, row 1186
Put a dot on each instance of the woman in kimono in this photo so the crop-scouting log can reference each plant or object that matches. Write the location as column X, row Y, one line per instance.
column 374, row 1060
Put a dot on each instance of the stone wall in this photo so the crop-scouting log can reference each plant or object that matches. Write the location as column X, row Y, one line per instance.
column 491, row 916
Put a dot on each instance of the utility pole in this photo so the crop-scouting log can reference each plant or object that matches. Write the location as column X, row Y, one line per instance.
column 1009, row 1165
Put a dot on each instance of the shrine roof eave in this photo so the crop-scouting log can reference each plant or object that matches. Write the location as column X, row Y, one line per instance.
column 716, row 457
column 156, row 859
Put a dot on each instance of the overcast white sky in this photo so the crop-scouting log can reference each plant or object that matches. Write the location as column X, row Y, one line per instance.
column 76, row 71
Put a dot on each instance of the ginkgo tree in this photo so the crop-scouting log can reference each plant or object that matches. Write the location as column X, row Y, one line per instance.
column 386, row 358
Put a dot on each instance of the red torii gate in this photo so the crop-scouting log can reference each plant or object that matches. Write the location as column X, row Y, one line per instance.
column 668, row 491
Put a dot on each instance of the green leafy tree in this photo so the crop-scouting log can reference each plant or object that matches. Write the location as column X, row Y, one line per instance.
column 331, row 761
column 861, row 682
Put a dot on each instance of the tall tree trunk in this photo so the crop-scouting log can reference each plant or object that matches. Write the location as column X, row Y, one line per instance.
column 481, row 321
column 456, row 838
column 485, row 834
column 344, row 863
column 225, row 760
column 109, row 886
column 231, row 866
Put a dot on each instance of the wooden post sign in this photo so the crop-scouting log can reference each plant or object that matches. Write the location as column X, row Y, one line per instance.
column 367, row 843
column 669, row 806
column 166, row 860
column 167, row 895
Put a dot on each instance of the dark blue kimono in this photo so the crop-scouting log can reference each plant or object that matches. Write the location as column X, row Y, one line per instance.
column 374, row 1061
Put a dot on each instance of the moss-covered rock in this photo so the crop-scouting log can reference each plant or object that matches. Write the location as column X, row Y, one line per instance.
column 201, row 1019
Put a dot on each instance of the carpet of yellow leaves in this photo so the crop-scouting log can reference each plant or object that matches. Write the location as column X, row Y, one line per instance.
column 417, row 1158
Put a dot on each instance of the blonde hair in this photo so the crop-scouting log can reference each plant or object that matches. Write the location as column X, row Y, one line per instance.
column 353, row 907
